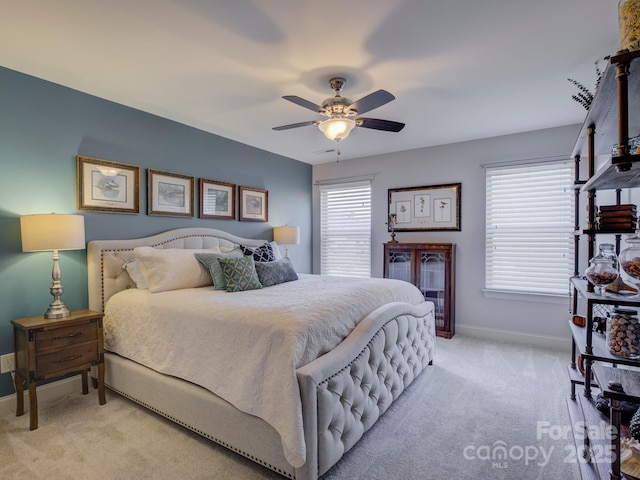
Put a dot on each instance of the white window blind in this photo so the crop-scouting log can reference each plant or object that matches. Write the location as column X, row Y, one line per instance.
column 345, row 229
column 529, row 227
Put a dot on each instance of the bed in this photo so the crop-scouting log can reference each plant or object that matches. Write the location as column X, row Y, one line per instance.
column 319, row 390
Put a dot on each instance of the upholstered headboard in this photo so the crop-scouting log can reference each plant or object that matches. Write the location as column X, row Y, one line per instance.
column 106, row 258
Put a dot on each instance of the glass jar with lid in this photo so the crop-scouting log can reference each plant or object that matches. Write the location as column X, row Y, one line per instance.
column 602, row 272
column 623, row 333
column 629, row 22
column 629, row 260
column 608, row 250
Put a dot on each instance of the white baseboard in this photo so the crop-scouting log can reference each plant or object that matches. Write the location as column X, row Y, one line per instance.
column 555, row 343
column 46, row 393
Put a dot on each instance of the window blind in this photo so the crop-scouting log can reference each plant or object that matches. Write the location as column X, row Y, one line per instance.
column 529, row 227
column 345, row 229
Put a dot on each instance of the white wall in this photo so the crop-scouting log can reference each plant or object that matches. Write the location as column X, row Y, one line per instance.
column 514, row 320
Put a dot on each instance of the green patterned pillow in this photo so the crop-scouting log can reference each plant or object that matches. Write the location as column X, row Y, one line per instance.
column 210, row 261
column 239, row 274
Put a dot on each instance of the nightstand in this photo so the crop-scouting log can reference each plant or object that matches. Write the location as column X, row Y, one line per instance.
column 50, row 348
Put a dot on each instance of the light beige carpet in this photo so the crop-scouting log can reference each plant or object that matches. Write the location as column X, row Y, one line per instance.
column 478, row 395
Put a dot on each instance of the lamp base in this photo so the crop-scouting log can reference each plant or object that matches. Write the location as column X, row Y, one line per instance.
column 57, row 310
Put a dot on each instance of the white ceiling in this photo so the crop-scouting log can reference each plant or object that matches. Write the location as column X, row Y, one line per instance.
column 459, row 69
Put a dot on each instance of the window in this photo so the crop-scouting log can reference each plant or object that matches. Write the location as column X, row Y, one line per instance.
column 345, row 229
column 529, row 228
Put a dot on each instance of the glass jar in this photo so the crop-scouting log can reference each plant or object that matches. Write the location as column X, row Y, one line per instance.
column 629, row 22
column 601, row 272
column 629, row 260
column 608, row 250
column 623, row 333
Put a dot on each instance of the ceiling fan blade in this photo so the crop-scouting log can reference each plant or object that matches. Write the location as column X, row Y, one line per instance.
column 304, row 103
column 296, row 125
column 371, row 101
column 377, row 124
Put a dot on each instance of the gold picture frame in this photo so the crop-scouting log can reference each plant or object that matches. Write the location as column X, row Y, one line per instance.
column 254, row 205
column 106, row 186
column 169, row 194
column 433, row 208
column 217, row 199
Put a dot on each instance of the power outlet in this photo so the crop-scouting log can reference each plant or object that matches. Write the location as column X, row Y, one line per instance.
column 7, row 363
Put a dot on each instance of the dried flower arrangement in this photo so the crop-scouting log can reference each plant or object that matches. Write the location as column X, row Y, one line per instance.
column 585, row 97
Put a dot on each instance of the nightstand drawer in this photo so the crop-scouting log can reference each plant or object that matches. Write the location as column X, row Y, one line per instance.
column 71, row 335
column 66, row 360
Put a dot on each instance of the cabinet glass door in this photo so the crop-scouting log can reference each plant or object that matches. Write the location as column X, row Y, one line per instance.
column 400, row 265
column 432, row 282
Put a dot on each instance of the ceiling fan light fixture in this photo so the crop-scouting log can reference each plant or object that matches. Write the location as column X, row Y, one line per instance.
column 337, row 128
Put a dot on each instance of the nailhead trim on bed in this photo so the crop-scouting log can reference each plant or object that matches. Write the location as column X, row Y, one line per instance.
column 177, row 242
column 368, row 385
column 204, row 434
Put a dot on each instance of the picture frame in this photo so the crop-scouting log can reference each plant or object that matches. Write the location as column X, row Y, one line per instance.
column 217, row 199
column 432, row 208
column 106, row 186
column 254, row 204
column 169, row 194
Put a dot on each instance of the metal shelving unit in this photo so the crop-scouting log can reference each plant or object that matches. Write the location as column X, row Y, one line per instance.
column 607, row 124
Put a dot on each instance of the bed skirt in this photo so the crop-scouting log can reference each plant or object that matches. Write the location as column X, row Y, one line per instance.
column 199, row 410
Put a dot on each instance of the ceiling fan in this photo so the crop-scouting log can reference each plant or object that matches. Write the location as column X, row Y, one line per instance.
column 340, row 111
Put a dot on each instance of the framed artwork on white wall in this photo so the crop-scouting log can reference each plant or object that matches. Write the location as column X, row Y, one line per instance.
column 433, row 207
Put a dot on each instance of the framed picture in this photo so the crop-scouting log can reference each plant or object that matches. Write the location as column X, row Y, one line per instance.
column 105, row 186
column 254, row 205
column 169, row 194
column 217, row 199
column 434, row 207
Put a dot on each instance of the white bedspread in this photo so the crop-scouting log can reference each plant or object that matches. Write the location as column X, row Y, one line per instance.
column 245, row 346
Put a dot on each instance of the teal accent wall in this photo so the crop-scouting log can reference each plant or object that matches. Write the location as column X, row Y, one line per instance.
column 43, row 126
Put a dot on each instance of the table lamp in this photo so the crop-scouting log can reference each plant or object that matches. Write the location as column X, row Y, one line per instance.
column 51, row 233
column 286, row 236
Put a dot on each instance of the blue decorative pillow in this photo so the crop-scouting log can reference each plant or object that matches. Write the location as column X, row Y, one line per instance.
column 239, row 274
column 210, row 261
column 263, row 253
column 278, row 271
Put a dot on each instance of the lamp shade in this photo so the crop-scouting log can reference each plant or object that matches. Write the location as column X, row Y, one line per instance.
column 337, row 128
column 287, row 235
column 47, row 232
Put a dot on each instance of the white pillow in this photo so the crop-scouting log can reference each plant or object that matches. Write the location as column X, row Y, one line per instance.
column 172, row 268
column 135, row 272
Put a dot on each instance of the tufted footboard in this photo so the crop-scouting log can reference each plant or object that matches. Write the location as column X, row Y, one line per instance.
column 345, row 391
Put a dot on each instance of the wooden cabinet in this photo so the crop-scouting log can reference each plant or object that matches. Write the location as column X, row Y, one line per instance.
column 50, row 348
column 614, row 114
column 430, row 267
